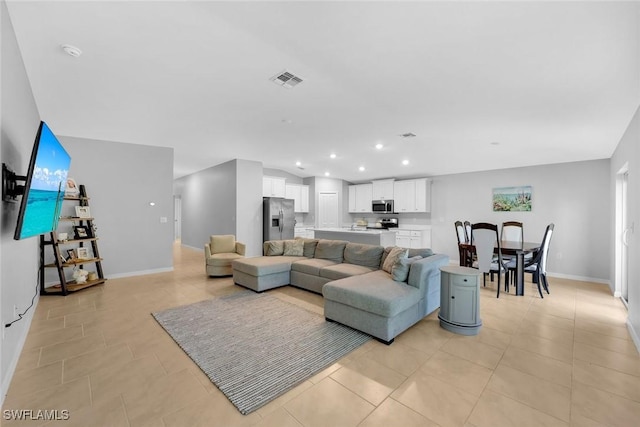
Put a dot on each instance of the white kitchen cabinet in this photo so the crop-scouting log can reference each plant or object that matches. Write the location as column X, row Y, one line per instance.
column 413, row 239
column 412, row 195
column 382, row 189
column 360, row 198
column 273, row 186
column 300, row 195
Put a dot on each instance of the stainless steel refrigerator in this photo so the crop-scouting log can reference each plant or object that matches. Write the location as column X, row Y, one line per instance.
column 278, row 218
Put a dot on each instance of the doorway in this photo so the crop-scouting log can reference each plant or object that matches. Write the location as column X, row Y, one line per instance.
column 177, row 218
column 328, row 210
column 623, row 229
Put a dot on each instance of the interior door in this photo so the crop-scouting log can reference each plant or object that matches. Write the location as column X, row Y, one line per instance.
column 177, row 215
column 624, row 251
column 328, row 210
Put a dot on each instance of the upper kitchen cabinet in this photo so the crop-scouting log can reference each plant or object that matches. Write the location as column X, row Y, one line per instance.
column 300, row 194
column 412, row 195
column 382, row 189
column 360, row 197
column 273, row 186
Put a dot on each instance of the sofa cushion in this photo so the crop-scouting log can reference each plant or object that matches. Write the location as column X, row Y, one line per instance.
column 394, row 254
column 373, row 292
column 422, row 252
column 340, row 271
column 400, row 270
column 223, row 243
column 365, row 255
column 330, row 249
column 273, row 247
column 263, row 265
column 293, row 248
column 311, row 266
column 222, row 259
column 309, row 246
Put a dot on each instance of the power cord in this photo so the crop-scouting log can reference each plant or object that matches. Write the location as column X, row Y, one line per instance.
column 20, row 316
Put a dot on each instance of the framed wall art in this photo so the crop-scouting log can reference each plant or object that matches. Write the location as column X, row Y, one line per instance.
column 512, row 199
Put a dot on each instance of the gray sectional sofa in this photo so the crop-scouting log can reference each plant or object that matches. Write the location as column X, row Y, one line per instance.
column 379, row 291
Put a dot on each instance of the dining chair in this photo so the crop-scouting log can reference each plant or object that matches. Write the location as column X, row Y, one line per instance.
column 485, row 239
column 460, row 233
column 467, row 230
column 512, row 231
column 537, row 265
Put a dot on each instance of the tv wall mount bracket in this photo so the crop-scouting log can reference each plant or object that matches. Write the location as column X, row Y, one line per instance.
column 10, row 188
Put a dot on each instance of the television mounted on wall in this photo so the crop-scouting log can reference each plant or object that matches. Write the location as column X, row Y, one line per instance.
column 44, row 185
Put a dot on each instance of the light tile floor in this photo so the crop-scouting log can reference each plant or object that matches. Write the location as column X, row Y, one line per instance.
column 563, row 360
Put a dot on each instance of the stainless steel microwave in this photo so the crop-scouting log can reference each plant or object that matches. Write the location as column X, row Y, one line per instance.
column 382, row 206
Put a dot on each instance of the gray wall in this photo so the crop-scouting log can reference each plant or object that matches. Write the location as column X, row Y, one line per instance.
column 214, row 199
column 122, row 180
column 628, row 152
column 574, row 196
column 19, row 260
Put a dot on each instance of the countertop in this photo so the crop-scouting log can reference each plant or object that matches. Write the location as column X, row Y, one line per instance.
column 348, row 230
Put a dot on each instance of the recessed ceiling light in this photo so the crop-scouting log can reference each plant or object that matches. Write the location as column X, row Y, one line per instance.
column 405, row 162
column 379, row 146
column 361, row 168
column 298, row 164
column 71, row 50
column 327, row 174
column 333, row 155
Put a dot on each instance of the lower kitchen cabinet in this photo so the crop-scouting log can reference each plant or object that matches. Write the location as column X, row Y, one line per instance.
column 460, row 300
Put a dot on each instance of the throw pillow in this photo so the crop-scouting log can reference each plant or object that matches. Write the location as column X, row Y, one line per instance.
column 293, row 247
column 393, row 256
column 400, row 270
column 275, row 247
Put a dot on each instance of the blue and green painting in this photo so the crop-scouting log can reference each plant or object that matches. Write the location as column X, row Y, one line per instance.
column 512, row 199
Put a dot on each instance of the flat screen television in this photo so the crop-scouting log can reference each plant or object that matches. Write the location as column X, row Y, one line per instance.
column 45, row 182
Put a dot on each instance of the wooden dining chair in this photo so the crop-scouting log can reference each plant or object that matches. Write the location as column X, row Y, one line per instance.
column 512, row 231
column 537, row 265
column 485, row 239
column 460, row 233
column 467, row 230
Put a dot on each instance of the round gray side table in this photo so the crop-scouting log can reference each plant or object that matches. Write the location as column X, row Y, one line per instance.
column 460, row 300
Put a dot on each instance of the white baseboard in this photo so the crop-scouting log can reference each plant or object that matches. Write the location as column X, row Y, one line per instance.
column 634, row 335
column 579, row 278
column 139, row 273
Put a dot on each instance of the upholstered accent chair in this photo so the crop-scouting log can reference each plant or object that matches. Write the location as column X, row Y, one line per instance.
column 220, row 252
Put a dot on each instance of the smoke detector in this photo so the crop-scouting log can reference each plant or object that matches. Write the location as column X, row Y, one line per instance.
column 286, row 79
column 71, row 50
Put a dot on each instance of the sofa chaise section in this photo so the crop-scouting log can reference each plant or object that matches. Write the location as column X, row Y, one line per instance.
column 382, row 307
column 263, row 273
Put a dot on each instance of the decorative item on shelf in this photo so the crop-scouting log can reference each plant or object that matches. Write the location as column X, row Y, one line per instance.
column 71, row 189
column 92, row 276
column 81, row 232
column 83, row 212
column 72, row 255
column 63, row 237
column 80, row 276
column 82, row 253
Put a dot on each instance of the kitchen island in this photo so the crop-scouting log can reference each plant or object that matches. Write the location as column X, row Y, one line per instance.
column 371, row 237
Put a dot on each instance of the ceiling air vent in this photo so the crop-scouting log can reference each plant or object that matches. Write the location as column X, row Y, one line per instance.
column 286, row 79
column 408, row 135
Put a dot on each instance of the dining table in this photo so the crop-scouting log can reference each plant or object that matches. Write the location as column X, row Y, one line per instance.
column 519, row 250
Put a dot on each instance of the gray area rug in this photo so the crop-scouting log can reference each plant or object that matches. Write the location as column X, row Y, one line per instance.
column 255, row 347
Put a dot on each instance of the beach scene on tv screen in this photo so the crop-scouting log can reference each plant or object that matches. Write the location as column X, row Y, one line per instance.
column 49, row 178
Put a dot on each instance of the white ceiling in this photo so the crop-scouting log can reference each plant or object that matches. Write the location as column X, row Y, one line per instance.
column 549, row 81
